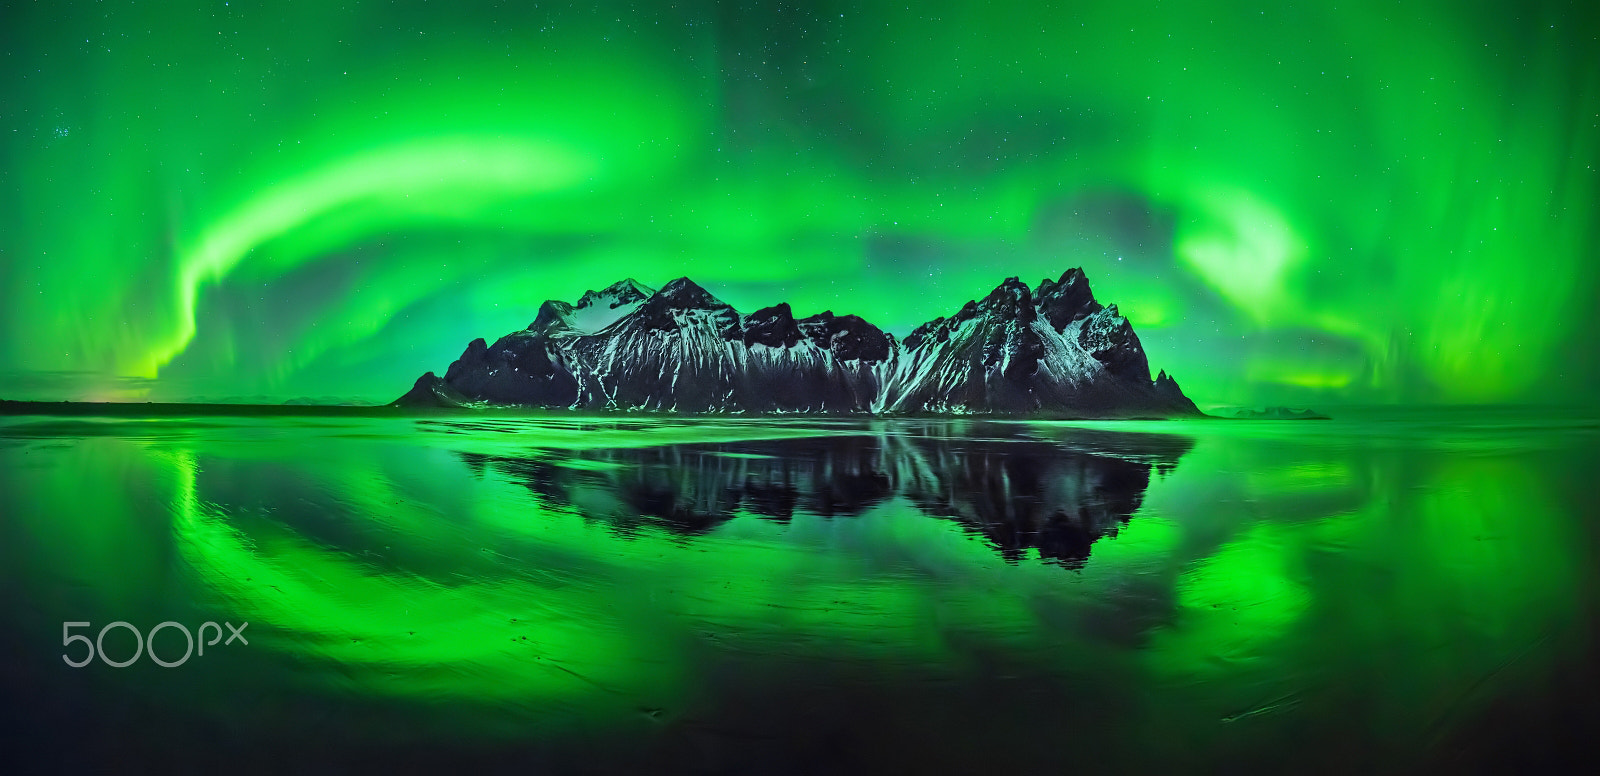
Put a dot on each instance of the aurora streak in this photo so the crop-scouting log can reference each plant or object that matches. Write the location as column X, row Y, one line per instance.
column 1368, row 202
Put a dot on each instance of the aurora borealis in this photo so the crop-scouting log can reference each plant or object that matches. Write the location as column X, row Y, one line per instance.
column 1361, row 202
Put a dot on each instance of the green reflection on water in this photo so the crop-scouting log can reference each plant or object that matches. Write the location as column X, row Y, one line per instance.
column 1380, row 581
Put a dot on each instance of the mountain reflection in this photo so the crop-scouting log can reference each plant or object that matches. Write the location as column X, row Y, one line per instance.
column 1018, row 490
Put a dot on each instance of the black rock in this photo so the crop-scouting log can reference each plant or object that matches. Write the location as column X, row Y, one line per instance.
column 771, row 326
column 553, row 316
column 1066, row 300
column 848, row 337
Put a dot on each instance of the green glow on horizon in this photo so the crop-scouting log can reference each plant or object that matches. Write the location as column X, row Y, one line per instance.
column 1361, row 203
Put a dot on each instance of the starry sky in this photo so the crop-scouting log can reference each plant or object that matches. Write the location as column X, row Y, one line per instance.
column 1319, row 204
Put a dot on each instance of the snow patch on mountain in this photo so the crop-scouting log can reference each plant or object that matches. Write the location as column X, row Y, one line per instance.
column 596, row 310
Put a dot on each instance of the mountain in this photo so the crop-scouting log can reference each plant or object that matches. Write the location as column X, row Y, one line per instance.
column 1049, row 352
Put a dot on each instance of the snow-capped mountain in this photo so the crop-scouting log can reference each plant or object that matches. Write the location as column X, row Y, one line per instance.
column 1053, row 352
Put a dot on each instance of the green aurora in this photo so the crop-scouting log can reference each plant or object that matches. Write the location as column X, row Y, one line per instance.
column 1361, row 202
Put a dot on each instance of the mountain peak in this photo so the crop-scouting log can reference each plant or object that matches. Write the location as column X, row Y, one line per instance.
column 1011, row 292
column 624, row 291
column 771, row 326
column 627, row 290
column 1010, row 300
column 553, row 315
column 685, row 294
column 849, row 337
column 1066, row 300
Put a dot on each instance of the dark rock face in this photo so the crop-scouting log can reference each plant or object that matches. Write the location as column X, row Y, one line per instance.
column 430, row 391
column 1110, row 339
column 1066, row 300
column 1055, row 352
column 848, row 337
column 554, row 316
column 774, row 327
column 665, row 311
column 523, row 368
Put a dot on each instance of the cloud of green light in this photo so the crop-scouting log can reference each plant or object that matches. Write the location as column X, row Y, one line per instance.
column 1318, row 205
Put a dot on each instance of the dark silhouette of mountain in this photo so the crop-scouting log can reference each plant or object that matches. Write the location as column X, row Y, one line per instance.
column 1053, row 352
column 1020, row 492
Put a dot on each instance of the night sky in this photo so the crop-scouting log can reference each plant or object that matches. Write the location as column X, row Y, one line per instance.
column 1330, row 203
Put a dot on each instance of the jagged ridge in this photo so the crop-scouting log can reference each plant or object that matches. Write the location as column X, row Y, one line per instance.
column 1051, row 352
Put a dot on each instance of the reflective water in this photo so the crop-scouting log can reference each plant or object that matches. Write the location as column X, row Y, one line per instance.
column 550, row 595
